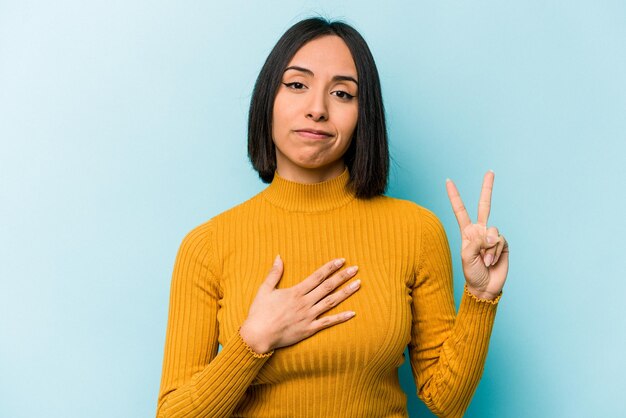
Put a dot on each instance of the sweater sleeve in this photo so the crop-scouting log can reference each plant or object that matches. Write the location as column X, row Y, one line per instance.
column 196, row 380
column 447, row 353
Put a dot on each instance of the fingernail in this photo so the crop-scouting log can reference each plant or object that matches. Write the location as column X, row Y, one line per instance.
column 352, row 270
column 339, row 262
column 488, row 260
column 447, row 180
column 276, row 260
column 349, row 315
column 489, row 240
column 355, row 285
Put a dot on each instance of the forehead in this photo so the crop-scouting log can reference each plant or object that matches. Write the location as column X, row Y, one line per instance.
column 326, row 54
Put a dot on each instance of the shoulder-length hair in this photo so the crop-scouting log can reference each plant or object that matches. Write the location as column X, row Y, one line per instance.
column 367, row 157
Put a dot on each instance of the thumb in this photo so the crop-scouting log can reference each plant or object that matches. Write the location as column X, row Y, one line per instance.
column 275, row 273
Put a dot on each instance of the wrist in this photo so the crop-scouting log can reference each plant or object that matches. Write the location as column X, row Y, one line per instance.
column 255, row 342
column 481, row 294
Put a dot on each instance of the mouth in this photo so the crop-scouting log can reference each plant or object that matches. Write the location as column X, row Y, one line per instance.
column 313, row 133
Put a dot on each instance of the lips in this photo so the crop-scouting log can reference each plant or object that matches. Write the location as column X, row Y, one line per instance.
column 313, row 133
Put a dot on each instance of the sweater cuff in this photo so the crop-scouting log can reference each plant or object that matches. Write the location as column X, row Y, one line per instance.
column 479, row 300
column 250, row 350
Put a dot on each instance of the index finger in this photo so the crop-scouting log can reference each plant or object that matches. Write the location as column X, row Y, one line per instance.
column 457, row 205
column 319, row 275
column 484, row 204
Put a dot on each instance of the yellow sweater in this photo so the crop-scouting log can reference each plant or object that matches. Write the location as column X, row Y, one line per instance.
column 348, row 370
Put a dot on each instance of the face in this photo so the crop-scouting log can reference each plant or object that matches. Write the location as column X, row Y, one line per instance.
column 315, row 110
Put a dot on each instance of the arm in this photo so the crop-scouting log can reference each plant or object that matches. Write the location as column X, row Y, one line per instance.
column 196, row 381
column 447, row 353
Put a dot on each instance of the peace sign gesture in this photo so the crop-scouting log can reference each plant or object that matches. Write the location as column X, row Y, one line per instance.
column 484, row 252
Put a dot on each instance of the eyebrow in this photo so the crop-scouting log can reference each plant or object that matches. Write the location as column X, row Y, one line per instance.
column 335, row 78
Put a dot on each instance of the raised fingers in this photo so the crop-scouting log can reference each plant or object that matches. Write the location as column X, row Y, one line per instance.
column 319, row 276
column 484, row 204
column 457, row 205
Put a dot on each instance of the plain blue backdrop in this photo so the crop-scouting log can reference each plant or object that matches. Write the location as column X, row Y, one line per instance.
column 123, row 126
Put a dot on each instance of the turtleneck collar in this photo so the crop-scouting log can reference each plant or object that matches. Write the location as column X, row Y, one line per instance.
column 315, row 197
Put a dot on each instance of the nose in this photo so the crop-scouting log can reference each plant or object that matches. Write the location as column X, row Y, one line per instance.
column 317, row 107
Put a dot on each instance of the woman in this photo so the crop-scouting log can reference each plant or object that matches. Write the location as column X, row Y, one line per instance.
column 310, row 339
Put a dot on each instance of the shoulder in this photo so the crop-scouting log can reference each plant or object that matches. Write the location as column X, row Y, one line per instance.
column 421, row 221
column 203, row 242
column 403, row 207
column 213, row 225
column 198, row 240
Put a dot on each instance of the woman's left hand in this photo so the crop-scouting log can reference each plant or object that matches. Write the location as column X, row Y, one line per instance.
column 484, row 252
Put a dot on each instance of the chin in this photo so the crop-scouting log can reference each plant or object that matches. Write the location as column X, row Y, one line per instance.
column 315, row 162
column 311, row 165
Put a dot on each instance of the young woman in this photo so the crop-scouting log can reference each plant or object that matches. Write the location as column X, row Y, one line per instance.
column 312, row 338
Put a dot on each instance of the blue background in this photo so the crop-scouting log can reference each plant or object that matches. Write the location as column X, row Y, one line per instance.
column 123, row 126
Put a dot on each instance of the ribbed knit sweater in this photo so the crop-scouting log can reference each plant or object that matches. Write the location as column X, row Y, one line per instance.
column 347, row 370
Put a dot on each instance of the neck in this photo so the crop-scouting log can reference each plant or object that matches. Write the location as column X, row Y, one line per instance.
column 310, row 197
column 310, row 175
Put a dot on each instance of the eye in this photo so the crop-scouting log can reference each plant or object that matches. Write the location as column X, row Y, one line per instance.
column 294, row 85
column 343, row 95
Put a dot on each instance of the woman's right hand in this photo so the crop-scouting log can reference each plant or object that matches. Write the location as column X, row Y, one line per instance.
column 281, row 317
